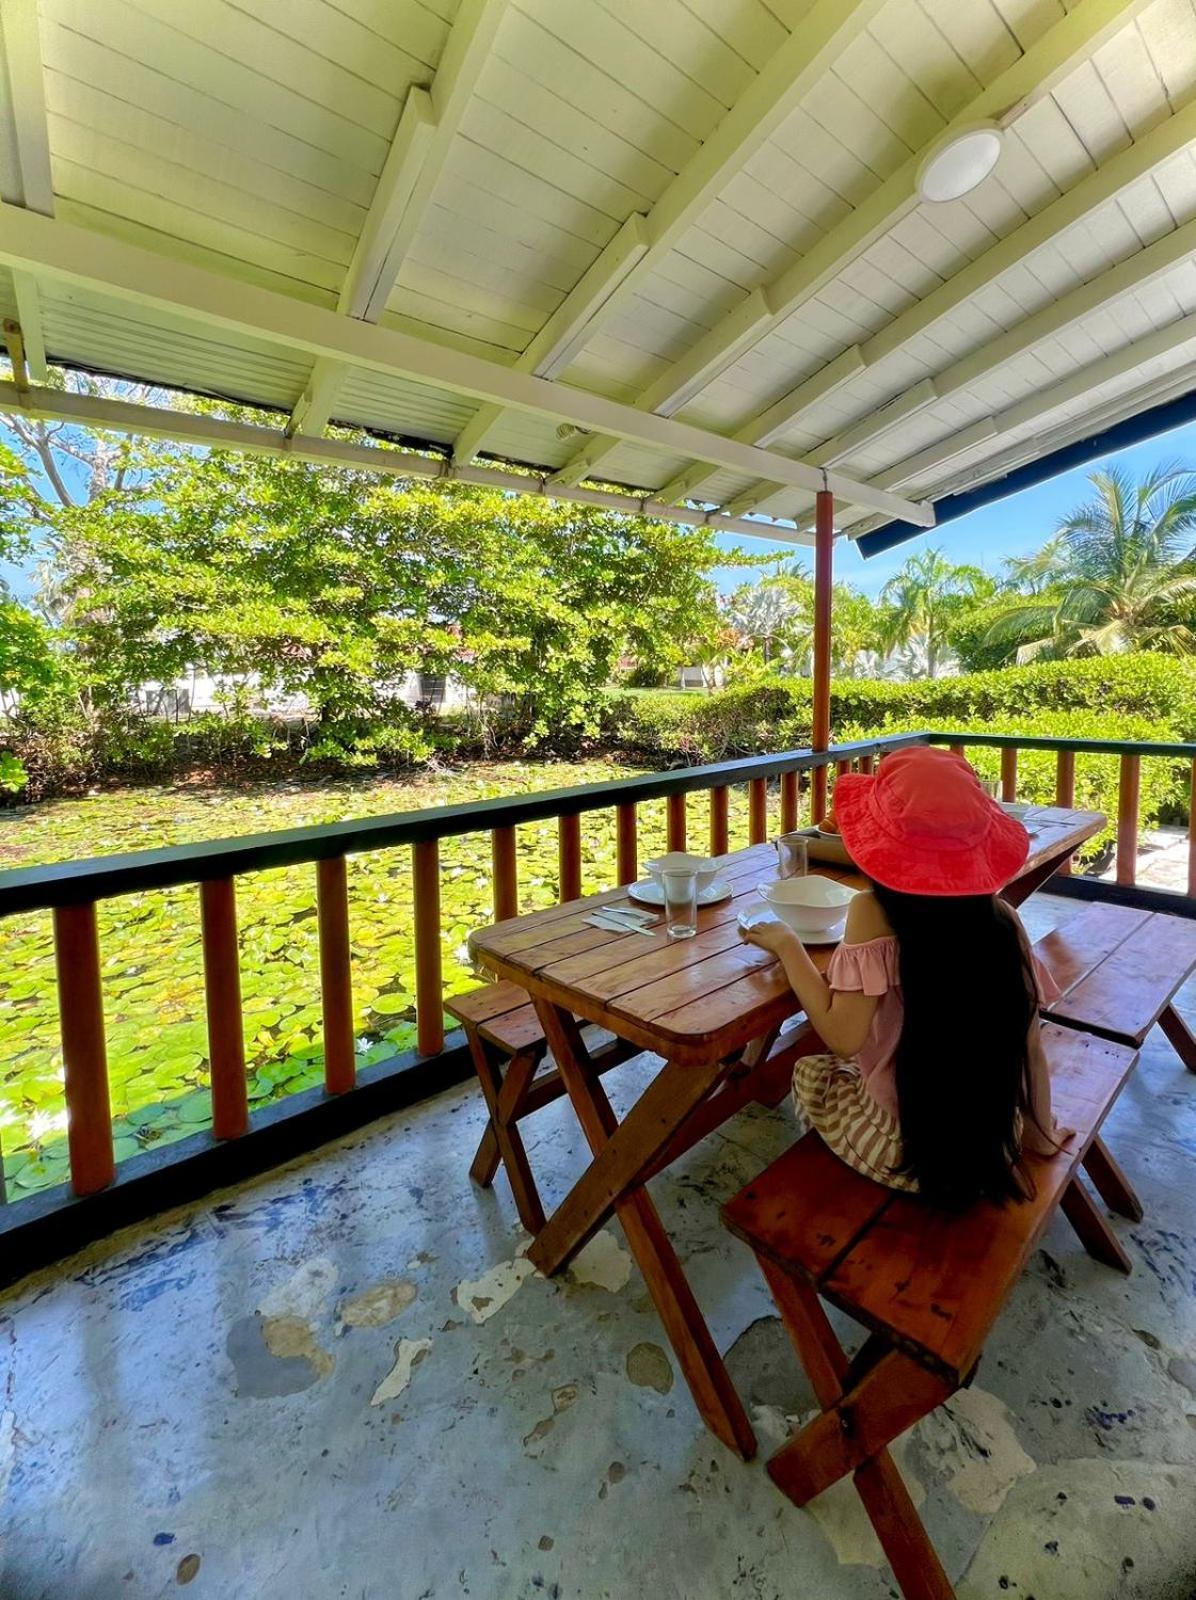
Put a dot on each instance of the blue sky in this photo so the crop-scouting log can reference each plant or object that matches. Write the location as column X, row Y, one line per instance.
column 1006, row 528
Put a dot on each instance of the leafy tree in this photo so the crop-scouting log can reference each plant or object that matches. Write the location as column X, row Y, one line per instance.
column 923, row 599
column 1123, row 571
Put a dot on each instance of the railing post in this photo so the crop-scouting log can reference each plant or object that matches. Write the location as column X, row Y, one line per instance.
column 429, row 987
column 788, row 801
column 85, row 1060
column 1192, row 833
column 505, row 865
column 1065, row 790
column 720, row 838
column 627, row 864
column 866, row 764
column 569, row 855
column 1127, row 818
column 757, row 810
column 1009, row 772
column 222, row 992
column 958, row 750
column 336, row 981
column 675, row 822
column 842, row 768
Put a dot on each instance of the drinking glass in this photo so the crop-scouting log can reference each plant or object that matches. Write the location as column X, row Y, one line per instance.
column 680, row 903
column 991, row 787
column 793, row 855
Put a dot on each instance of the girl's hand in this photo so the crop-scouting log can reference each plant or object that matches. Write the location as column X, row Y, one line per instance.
column 769, row 935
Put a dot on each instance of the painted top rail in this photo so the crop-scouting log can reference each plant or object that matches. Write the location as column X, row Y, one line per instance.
column 1095, row 747
column 65, row 883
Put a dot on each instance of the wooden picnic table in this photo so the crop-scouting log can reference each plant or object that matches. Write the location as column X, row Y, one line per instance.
column 712, row 1008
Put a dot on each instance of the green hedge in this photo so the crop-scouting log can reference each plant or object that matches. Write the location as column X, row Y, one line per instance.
column 1158, row 690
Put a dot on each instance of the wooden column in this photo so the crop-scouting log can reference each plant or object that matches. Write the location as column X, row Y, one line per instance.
column 506, row 873
column 720, row 838
column 1127, row 818
column 757, row 810
column 957, row 750
column 85, row 1059
column 1065, row 789
column 429, row 987
column 788, row 801
column 569, row 855
column 222, row 992
column 675, row 833
column 865, row 764
column 626, row 844
column 1192, row 833
column 336, row 982
column 824, row 539
column 1009, row 772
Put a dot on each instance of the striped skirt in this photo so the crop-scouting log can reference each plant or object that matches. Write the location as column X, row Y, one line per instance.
column 831, row 1097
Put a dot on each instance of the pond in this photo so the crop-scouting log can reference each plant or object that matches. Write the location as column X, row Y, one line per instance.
column 151, row 955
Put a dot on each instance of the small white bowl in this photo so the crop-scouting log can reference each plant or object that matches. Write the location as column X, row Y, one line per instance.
column 807, row 904
column 703, row 868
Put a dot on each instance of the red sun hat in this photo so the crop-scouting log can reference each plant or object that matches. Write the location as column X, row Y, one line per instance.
column 922, row 824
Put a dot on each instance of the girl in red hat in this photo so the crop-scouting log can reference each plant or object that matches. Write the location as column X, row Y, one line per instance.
column 937, row 1080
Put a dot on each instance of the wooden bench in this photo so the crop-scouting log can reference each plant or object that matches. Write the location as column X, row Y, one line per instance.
column 926, row 1284
column 1119, row 970
column 510, row 1056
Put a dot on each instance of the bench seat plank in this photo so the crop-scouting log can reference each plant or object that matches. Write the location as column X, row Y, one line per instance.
column 936, row 1283
column 1119, row 969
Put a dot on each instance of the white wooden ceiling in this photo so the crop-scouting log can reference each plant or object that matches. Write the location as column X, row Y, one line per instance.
column 699, row 208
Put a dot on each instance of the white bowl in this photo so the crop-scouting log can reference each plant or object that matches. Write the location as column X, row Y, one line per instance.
column 807, row 904
column 703, row 868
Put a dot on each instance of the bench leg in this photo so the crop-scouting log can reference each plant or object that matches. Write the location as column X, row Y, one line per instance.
column 506, row 1133
column 1180, row 1035
column 1093, row 1231
column 1110, row 1182
column 911, row 1555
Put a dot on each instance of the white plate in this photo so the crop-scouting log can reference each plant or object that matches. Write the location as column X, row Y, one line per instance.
column 651, row 894
column 754, row 915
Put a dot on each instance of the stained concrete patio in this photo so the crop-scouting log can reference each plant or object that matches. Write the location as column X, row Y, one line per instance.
column 343, row 1381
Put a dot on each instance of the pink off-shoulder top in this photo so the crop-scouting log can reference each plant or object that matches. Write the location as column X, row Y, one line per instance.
column 871, row 968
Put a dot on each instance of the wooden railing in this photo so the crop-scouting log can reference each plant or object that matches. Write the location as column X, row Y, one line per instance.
column 71, row 891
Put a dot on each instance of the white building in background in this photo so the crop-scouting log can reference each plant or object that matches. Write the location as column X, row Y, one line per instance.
column 199, row 691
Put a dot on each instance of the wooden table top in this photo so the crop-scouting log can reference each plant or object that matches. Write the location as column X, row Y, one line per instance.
column 700, row 999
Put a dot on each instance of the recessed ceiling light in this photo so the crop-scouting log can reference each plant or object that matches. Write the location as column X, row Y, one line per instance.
column 960, row 163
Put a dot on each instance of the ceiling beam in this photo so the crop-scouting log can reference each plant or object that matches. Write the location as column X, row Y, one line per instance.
column 21, row 38
column 427, row 127
column 812, row 47
column 1037, row 407
column 1028, row 80
column 157, row 422
column 65, row 252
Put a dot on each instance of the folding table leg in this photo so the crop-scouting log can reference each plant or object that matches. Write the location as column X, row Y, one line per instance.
column 1110, row 1182
column 904, row 1540
column 521, row 1069
column 1182, row 1040
column 697, row 1354
column 507, row 1137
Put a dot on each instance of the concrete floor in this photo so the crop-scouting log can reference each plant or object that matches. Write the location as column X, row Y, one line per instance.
column 343, row 1381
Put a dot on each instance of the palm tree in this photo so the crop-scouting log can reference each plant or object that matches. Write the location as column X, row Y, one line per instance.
column 1128, row 579
column 923, row 598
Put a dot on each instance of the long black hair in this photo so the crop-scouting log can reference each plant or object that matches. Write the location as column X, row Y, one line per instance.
column 962, row 1063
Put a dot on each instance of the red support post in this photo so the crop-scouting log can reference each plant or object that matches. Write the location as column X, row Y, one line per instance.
column 506, row 873
column 1127, row 818
column 626, row 844
column 675, row 822
column 84, row 1055
column 720, row 838
column 429, row 984
column 336, row 981
column 222, row 992
column 569, row 855
column 1065, row 790
column 1009, row 772
column 757, row 810
column 788, row 802
column 824, row 540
